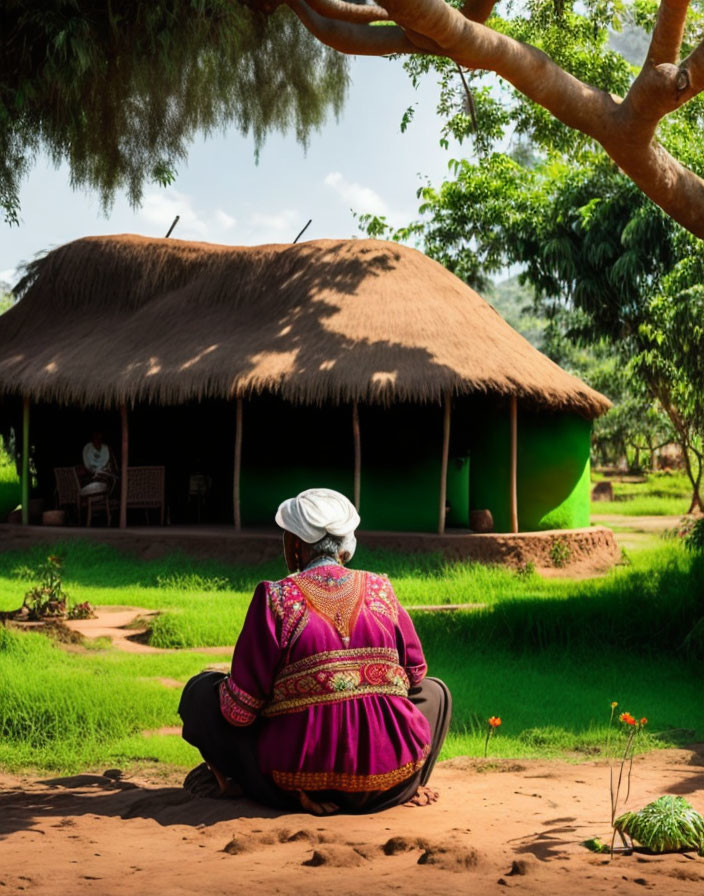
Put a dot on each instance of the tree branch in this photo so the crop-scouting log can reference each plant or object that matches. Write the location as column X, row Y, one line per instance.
column 423, row 43
column 667, row 35
column 348, row 12
column 359, row 40
column 478, row 10
column 614, row 124
column 624, row 128
column 531, row 71
column 693, row 66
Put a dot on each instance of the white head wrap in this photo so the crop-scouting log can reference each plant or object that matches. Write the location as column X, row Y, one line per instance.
column 317, row 512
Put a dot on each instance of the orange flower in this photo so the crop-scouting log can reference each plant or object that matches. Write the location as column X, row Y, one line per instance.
column 643, row 722
column 494, row 721
column 627, row 718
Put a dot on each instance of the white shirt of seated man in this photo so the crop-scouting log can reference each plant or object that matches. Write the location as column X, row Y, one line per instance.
column 96, row 459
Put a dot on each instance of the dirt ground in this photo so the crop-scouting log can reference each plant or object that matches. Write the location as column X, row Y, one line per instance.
column 497, row 826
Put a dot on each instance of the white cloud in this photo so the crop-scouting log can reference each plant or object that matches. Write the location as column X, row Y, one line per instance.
column 159, row 210
column 361, row 199
column 282, row 226
column 227, row 222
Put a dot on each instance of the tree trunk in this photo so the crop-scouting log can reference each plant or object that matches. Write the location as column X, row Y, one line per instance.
column 697, row 503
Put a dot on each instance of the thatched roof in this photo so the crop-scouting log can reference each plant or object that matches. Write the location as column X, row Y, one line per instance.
column 126, row 318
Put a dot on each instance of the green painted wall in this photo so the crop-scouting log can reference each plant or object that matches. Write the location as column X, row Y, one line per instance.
column 289, row 449
column 553, row 470
column 457, row 493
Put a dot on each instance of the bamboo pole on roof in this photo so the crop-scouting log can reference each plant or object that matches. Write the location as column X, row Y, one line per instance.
column 25, row 462
column 357, row 455
column 514, row 464
column 124, row 460
column 443, row 468
column 237, row 468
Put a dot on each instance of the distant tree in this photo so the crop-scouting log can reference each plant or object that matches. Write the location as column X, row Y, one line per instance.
column 636, row 427
column 671, row 362
column 515, row 303
column 118, row 90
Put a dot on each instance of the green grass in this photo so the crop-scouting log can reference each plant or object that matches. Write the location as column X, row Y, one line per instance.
column 557, row 703
column 548, row 656
column 9, row 485
column 643, row 506
column 64, row 711
column 519, row 607
column 659, row 494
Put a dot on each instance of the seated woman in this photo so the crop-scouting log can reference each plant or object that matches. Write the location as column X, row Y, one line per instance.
column 326, row 706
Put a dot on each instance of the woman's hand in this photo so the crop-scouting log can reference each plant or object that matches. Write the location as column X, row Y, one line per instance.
column 314, row 808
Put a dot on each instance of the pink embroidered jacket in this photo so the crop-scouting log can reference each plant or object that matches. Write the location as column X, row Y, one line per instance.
column 326, row 658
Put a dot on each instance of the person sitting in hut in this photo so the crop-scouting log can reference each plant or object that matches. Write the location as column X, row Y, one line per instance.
column 327, row 705
column 98, row 473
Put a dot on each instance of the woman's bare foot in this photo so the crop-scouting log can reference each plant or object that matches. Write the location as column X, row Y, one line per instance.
column 227, row 786
column 206, row 781
column 424, row 796
column 316, row 808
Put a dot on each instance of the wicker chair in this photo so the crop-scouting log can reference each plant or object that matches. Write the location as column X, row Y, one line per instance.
column 68, row 494
column 145, row 490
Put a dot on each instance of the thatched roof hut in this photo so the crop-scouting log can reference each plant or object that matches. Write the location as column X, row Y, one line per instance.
column 327, row 321
column 298, row 335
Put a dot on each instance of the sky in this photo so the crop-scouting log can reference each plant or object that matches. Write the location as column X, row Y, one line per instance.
column 361, row 162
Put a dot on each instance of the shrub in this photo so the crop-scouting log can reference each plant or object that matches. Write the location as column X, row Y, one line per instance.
column 667, row 824
column 48, row 598
column 560, row 552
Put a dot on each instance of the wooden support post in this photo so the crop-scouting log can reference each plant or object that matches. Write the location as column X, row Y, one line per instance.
column 443, row 469
column 124, row 461
column 514, row 464
column 238, row 468
column 357, row 455
column 25, row 462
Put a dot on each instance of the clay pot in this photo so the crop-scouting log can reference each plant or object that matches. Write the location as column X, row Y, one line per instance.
column 54, row 518
column 603, row 491
column 481, row 521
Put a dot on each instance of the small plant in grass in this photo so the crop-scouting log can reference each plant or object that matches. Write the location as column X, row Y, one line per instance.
column 632, row 728
column 493, row 723
column 560, row 553
column 694, row 539
column 665, row 825
column 625, row 558
column 47, row 599
column 84, row 610
column 525, row 570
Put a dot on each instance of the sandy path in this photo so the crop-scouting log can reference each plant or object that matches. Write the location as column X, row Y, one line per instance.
column 118, row 624
column 90, row 834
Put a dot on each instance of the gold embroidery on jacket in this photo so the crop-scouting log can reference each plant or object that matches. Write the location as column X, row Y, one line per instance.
column 337, row 600
column 337, row 675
